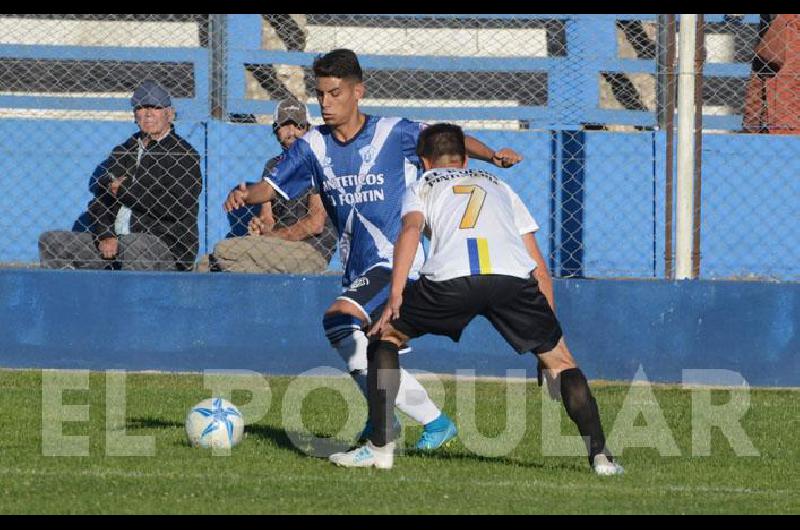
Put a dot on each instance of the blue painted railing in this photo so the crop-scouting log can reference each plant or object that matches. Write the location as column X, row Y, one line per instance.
column 573, row 79
column 195, row 108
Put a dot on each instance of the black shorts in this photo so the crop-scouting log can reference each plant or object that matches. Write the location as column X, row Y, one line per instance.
column 514, row 306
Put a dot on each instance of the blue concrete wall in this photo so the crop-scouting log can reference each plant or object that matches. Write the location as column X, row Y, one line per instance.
column 172, row 321
column 620, row 191
column 751, row 206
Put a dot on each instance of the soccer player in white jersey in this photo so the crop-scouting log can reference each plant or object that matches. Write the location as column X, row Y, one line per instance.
column 483, row 257
column 361, row 164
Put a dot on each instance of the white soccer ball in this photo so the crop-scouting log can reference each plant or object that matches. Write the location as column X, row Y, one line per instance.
column 214, row 422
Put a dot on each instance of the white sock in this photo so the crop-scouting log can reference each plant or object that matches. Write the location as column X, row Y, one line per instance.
column 353, row 351
column 413, row 399
column 360, row 377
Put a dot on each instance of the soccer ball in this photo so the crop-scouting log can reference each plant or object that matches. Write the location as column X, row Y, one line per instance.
column 214, row 422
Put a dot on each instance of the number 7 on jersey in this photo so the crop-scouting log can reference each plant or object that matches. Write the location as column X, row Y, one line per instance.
column 476, row 197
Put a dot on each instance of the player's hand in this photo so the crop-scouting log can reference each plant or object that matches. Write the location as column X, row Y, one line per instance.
column 390, row 312
column 236, row 198
column 506, row 157
column 108, row 247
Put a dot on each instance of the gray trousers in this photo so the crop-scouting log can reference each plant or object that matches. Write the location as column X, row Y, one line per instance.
column 268, row 254
column 76, row 250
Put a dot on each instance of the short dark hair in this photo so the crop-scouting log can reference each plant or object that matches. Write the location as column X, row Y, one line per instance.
column 442, row 140
column 340, row 63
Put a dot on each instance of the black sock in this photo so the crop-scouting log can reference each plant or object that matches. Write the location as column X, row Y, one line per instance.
column 582, row 409
column 383, row 384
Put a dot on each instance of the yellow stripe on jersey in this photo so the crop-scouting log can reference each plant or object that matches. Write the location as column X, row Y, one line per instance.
column 483, row 256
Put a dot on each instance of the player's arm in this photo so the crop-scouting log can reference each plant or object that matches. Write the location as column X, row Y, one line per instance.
column 405, row 249
column 505, row 157
column 311, row 224
column 249, row 194
column 541, row 273
column 527, row 227
column 289, row 176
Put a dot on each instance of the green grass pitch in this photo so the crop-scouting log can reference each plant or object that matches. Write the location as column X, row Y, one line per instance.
column 268, row 473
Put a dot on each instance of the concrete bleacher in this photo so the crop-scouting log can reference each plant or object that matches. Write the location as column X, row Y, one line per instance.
column 548, row 71
column 568, row 74
column 86, row 66
column 111, row 30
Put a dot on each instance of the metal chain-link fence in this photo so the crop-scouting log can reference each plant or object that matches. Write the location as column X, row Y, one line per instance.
column 89, row 181
column 747, row 186
column 590, row 101
column 549, row 86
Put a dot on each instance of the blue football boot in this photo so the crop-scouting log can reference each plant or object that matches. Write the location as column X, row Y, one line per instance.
column 437, row 433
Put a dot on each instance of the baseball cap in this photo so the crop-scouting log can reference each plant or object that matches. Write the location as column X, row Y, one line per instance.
column 290, row 109
column 150, row 93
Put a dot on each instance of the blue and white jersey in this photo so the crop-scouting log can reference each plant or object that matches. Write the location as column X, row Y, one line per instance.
column 361, row 183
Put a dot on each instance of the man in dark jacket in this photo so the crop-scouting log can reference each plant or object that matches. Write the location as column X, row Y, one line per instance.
column 144, row 213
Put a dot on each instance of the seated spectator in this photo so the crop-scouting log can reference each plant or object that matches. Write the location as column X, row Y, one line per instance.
column 287, row 237
column 144, row 213
column 772, row 98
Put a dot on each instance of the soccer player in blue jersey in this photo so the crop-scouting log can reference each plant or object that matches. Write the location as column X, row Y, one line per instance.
column 361, row 165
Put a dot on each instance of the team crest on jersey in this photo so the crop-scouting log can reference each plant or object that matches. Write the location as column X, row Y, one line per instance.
column 326, row 162
column 273, row 170
column 360, row 282
column 367, row 154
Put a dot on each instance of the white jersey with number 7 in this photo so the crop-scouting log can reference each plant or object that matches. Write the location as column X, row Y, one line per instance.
column 475, row 222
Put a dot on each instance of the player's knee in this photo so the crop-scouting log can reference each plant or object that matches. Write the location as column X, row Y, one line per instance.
column 395, row 337
column 339, row 326
column 558, row 359
column 344, row 334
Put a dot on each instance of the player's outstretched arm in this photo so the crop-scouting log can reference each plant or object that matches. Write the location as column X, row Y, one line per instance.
column 405, row 249
column 248, row 194
column 505, row 157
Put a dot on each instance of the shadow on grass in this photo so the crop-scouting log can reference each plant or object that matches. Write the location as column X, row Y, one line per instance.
column 539, row 463
column 306, row 444
column 155, row 423
column 319, row 445
column 151, row 423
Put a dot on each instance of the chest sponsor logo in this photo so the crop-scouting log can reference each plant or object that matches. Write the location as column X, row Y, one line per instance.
column 347, row 189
